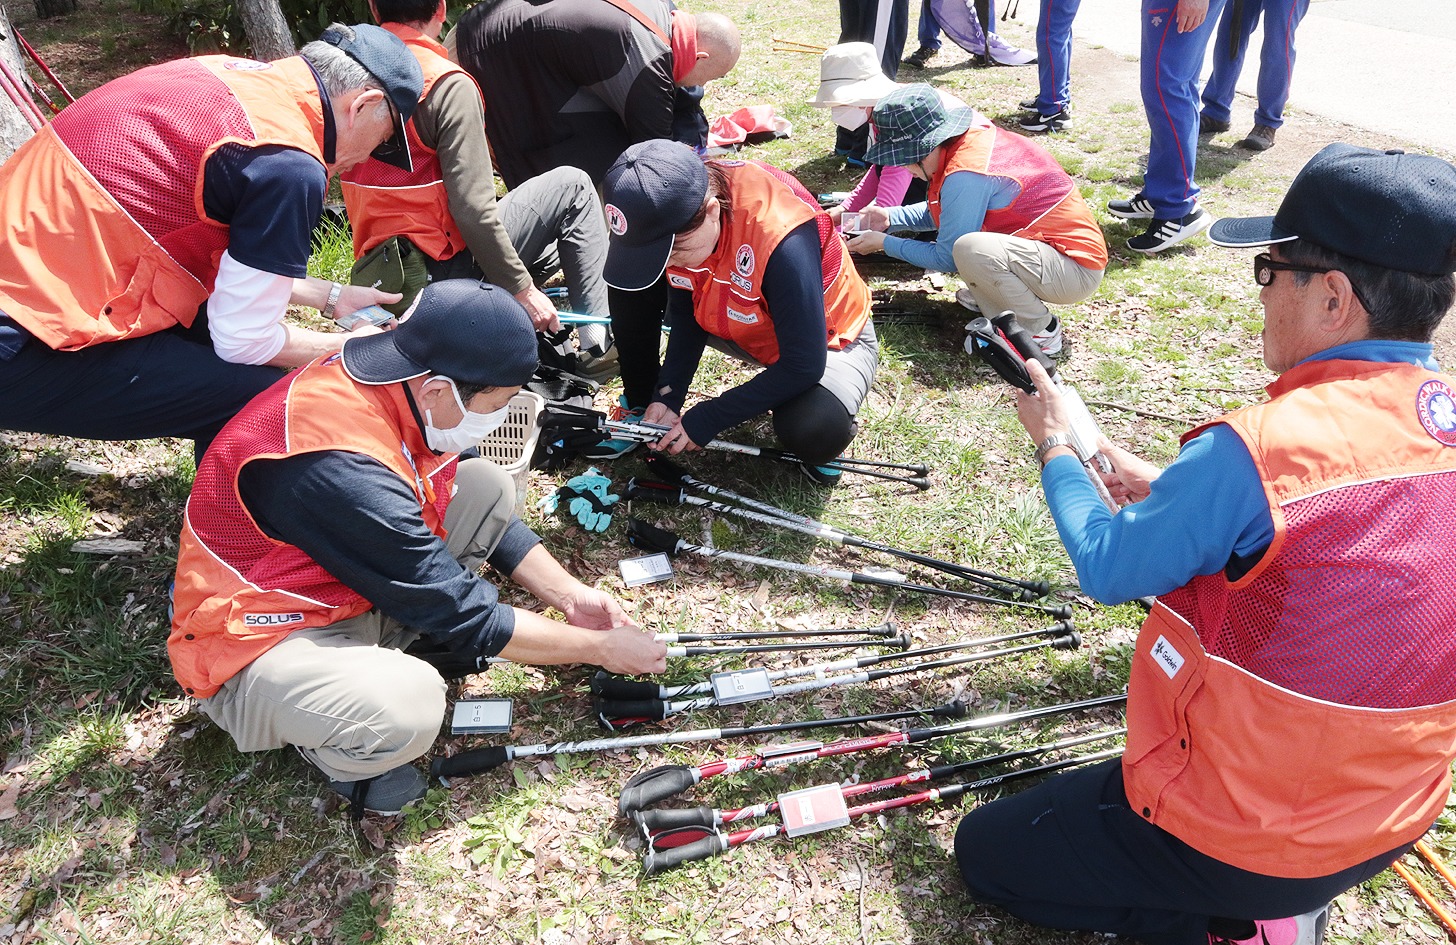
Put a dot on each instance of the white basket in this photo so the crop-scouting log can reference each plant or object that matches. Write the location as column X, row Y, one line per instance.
column 511, row 444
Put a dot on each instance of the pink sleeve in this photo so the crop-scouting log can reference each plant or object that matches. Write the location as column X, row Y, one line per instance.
column 866, row 190
column 894, row 181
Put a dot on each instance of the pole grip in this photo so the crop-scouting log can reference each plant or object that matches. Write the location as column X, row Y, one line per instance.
column 604, row 685
column 645, row 490
column 651, row 538
column 1022, row 341
column 665, row 468
column 646, row 788
column 655, row 861
column 655, row 819
column 653, row 709
column 991, row 347
column 475, row 761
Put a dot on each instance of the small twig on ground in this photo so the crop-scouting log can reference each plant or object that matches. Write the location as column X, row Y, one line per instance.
column 312, row 862
column 1141, row 412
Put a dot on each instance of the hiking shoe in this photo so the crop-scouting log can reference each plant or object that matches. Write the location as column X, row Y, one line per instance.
column 1211, row 126
column 822, row 475
column 1161, row 234
column 1307, row 929
column 1034, row 121
column 388, row 793
column 966, row 301
column 611, row 449
column 1260, row 139
column 921, row 57
column 1136, row 208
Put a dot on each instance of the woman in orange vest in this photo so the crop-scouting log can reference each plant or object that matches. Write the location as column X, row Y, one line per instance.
column 1292, row 694
column 755, row 269
column 1010, row 221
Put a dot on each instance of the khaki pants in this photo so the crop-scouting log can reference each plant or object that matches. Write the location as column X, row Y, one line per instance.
column 345, row 694
column 1012, row 274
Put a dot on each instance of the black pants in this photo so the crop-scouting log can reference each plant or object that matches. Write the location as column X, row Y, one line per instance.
column 1071, row 854
column 164, row 384
column 858, row 20
column 637, row 327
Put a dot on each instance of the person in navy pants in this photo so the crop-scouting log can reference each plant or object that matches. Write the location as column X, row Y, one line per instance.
column 1276, row 67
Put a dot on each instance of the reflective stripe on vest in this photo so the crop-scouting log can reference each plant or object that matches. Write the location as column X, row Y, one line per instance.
column 1049, row 208
column 102, row 231
column 727, row 287
column 1301, row 720
column 239, row 592
column 384, row 201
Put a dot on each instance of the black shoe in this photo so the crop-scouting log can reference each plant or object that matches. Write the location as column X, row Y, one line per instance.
column 1211, row 126
column 921, row 57
column 1135, row 208
column 1164, row 233
column 1037, row 122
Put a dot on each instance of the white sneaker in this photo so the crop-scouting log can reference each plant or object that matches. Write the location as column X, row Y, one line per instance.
column 966, row 301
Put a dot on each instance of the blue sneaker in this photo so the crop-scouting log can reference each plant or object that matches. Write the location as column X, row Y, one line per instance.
column 822, row 475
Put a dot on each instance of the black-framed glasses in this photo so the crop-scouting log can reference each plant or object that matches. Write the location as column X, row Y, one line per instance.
column 1265, row 266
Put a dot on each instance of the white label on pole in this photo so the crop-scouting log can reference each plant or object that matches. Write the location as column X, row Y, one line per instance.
column 812, row 810
column 647, row 569
column 741, row 685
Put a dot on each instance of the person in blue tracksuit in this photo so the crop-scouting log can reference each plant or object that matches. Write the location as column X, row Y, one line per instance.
column 1276, row 67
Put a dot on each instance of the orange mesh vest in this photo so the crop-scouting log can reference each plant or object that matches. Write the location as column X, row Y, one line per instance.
column 767, row 205
column 384, row 201
column 102, row 230
column 1049, row 209
column 1301, row 720
column 240, row 592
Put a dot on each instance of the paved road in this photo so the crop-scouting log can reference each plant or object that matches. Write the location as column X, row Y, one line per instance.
column 1385, row 65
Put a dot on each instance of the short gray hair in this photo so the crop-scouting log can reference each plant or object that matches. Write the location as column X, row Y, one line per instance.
column 339, row 71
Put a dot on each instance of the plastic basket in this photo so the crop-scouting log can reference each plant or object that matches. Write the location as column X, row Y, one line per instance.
column 510, row 446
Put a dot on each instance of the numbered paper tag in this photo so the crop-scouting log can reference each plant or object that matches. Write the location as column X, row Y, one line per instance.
column 647, row 569
column 813, row 809
column 741, row 685
column 482, row 716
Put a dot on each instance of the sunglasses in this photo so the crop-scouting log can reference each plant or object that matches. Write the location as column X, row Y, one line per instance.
column 1265, row 266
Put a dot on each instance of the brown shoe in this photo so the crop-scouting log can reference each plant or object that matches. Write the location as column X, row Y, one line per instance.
column 1260, row 139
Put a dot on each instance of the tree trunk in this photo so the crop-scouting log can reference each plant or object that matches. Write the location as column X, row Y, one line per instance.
column 49, row 8
column 14, row 129
column 267, row 31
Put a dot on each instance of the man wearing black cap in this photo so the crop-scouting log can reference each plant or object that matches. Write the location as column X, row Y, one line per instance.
column 331, row 533
column 153, row 235
column 1292, row 700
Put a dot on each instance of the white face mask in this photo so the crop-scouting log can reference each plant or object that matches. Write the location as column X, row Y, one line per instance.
column 472, row 428
column 849, row 117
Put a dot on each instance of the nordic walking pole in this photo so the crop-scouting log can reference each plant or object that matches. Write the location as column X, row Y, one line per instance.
column 607, row 686
column 665, row 494
column 898, row 642
column 652, row 538
column 655, row 861
column 481, row 760
column 673, row 473
column 658, row 784
column 618, row 711
column 663, row 828
column 885, row 630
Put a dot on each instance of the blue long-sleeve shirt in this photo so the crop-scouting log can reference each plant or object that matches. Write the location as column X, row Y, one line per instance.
column 1206, row 510
column 965, row 199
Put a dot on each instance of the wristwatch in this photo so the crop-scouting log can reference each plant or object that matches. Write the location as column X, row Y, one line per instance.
column 1049, row 444
column 335, row 291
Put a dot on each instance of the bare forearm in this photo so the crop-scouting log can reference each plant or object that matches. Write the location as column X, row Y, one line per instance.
column 305, row 344
column 545, row 578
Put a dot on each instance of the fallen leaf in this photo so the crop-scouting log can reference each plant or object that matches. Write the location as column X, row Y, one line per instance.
column 8, row 800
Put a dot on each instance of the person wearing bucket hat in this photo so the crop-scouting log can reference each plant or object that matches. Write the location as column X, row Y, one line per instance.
column 1292, row 702
column 850, row 83
column 327, row 574
column 1008, row 220
column 152, row 237
column 755, row 269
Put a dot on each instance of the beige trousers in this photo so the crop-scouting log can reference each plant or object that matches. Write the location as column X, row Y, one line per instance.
column 345, row 694
column 1012, row 274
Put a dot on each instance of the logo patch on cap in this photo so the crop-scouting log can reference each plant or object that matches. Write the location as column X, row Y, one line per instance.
column 1436, row 406
column 616, row 222
column 743, row 260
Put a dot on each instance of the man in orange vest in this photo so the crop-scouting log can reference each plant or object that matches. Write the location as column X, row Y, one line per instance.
column 1292, row 700
column 327, row 573
column 446, row 206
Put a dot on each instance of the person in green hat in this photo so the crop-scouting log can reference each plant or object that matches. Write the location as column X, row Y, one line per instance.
column 1011, row 223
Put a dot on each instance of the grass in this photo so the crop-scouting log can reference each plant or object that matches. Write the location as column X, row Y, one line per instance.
column 136, row 819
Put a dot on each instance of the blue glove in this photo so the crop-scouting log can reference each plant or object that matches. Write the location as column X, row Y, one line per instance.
column 587, row 500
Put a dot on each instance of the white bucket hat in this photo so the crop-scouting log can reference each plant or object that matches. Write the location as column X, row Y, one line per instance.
column 849, row 74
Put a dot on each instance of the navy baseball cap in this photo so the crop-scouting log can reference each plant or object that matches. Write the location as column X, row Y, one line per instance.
column 651, row 192
column 389, row 60
column 1387, row 208
column 469, row 331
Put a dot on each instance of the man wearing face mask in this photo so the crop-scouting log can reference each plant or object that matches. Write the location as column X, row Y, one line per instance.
column 327, row 570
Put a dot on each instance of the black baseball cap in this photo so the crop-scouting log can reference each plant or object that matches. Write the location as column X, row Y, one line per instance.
column 1387, row 208
column 469, row 331
column 651, row 192
column 389, row 60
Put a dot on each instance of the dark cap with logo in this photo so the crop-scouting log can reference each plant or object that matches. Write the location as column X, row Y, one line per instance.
column 1387, row 208
column 389, row 60
column 651, row 192
column 468, row 331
